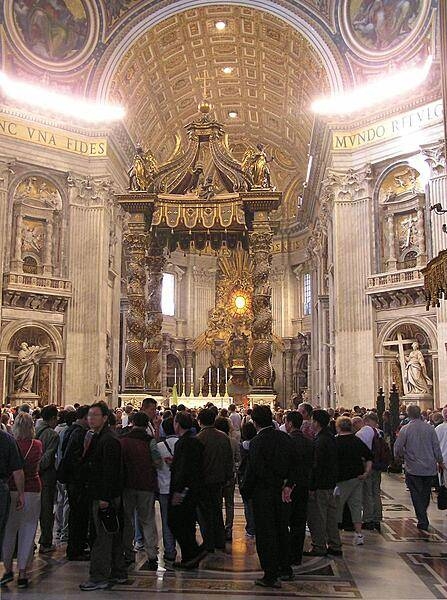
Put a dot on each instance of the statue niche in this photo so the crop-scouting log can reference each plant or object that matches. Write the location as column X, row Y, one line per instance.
column 30, row 366
column 36, row 244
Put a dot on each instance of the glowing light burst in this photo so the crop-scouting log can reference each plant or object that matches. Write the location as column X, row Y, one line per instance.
column 240, row 302
column 83, row 110
column 373, row 93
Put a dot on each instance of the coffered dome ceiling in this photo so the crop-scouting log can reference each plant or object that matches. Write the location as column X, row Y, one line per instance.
column 275, row 75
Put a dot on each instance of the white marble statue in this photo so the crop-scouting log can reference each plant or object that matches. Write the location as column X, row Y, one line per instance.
column 416, row 376
column 28, row 358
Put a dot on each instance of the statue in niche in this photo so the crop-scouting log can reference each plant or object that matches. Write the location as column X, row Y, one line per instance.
column 28, row 357
column 255, row 165
column 416, row 376
column 408, row 232
column 143, row 170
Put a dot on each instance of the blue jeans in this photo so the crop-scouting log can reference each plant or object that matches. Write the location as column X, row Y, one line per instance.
column 138, row 538
column 249, row 518
column 420, row 489
column 5, row 503
column 168, row 538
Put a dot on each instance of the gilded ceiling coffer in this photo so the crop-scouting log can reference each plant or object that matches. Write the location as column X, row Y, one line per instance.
column 201, row 199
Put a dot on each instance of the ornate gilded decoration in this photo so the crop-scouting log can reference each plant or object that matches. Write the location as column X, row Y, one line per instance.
column 400, row 181
column 255, row 166
column 226, row 321
column 155, row 261
column 135, row 241
column 435, row 279
column 261, row 256
column 143, row 170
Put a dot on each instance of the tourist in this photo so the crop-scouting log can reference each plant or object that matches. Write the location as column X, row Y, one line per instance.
column 236, row 421
column 67, row 417
column 11, row 465
column 270, row 464
column 354, row 466
column 128, row 410
column 217, row 471
column 149, row 406
column 303, row 451
column 141, row 459
column 306, row 411
column 101, row 465
column 22, row 524
column 185, row 489
column 225, row 425
column 71, row 472
column 166, row 450
column 372, row 501
column 441, row 432
column 50, row 441
column 418, row 444
column 322, row 506
column 248, row 432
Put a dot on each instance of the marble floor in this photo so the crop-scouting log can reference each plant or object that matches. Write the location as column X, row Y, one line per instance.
column 398, row 563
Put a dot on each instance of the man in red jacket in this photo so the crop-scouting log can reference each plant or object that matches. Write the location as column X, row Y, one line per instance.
column 140, row 459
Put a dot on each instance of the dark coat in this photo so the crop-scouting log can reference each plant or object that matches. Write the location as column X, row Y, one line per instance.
column 72, row 450
column 325, row 466
column 139, row 469
column 218, row 464
column 270, row 462
column 187, row 464
column 303, row 449
column 102, row 466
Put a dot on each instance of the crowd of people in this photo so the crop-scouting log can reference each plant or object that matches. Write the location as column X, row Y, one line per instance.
column 90, row 477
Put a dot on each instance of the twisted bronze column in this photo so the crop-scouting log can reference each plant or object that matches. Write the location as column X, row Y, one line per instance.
column 135, row 241
column 260, row 241
column 155, row 261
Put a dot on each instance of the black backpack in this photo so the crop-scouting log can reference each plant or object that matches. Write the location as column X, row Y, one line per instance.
column 381, row 453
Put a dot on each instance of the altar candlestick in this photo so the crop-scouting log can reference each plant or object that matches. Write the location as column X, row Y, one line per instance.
column 209, row 376
column 175, row 374
column 226, row 374
column 218, row 376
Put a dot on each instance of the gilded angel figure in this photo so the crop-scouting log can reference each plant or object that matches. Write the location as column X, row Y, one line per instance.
column 255, row 165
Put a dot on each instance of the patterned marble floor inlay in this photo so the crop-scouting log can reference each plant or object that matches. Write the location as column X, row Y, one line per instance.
column 431, row 569
column 405, row 530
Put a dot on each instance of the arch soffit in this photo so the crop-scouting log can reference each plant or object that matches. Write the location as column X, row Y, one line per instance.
column 423, row 323
column 307, row 23
column 15, row 326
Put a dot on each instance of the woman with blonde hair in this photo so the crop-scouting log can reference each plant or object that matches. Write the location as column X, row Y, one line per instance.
column 23, row 523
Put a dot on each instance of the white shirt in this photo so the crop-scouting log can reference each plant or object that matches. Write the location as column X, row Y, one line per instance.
column 441, row 432
column 124, row 420
column 366, row 434
column 164, row 474
column 283, row 428
column 236, row 420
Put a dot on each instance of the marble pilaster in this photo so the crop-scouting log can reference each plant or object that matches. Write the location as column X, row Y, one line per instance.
column 352, row 243
column 435, row 155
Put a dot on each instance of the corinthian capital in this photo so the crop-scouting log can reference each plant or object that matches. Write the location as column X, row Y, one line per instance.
column 90, row 191
column 434, row 155
column 348, row 186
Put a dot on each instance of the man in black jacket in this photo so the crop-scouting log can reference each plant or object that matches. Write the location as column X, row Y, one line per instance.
column 270, row 468
column 217, row 471
column 303, row 448
column 101, row 464
column 69, row 472
column 186, row 483
column 322, row 506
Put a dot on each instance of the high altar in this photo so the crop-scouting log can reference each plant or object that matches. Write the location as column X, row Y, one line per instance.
column 203, row 200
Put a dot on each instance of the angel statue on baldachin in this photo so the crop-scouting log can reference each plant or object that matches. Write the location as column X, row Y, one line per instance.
column 255, row 166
